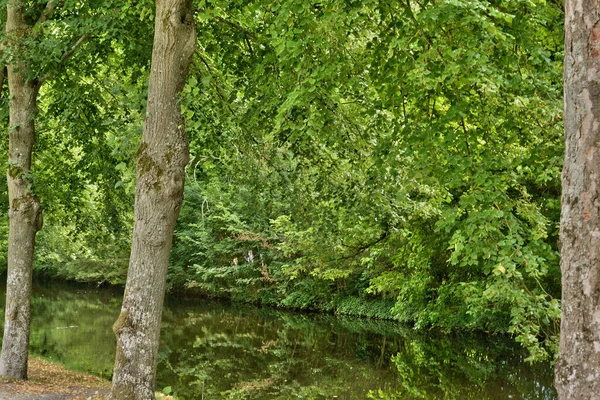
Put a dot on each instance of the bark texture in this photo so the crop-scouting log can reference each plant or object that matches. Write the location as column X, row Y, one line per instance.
column 25, row 216
column 160, row 163
column 577, row 374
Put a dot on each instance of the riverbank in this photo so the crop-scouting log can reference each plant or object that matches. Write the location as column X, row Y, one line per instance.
column 351, row 306
column 51, row 381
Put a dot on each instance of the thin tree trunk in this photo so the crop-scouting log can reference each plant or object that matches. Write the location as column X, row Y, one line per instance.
column 578, row 366
column 25, row 216
column 161, row 161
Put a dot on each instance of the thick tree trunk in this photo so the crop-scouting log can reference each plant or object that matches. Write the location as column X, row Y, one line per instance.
column 24, row 208
column 161, row 161
column 578, row 366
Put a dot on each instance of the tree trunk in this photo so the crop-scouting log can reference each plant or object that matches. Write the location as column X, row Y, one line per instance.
column 161, row 161
column 578, row 366
column 25, row 216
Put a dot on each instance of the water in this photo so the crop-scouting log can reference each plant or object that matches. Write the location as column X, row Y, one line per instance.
column 214, row 350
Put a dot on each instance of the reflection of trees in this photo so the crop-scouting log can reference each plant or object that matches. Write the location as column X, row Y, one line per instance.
column 72, row 325
column 243, row 352
column 259, row 354
column 473, row 367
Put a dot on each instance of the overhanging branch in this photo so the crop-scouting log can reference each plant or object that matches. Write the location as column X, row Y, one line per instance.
column 65, row 56
column 46, row 14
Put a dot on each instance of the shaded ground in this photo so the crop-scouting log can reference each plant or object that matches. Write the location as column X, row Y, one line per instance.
column 49, row 381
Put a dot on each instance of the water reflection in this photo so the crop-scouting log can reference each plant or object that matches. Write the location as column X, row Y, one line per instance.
column 480, row 367
column 241, row 352
column 216, row 350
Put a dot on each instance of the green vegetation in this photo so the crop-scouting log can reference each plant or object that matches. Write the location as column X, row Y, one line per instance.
column 404, row 153
column 385, row 159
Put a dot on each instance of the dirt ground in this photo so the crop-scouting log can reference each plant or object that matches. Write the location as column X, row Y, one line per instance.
column 49, row 381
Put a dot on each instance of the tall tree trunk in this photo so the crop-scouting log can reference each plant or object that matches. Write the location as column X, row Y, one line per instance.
column 25, row 216
column 161, row 161
column 578, row 367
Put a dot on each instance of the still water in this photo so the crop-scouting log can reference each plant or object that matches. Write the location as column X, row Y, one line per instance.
column 218, row 350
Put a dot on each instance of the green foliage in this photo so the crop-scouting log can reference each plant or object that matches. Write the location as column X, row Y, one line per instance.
column 386, row 159
column 89, row 123
column 411, row 155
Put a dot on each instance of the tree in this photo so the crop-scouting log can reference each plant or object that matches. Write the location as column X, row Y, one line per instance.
column 579, row 353
column 24, row 207
column 160, row 164
column 25, row 212
column 41, row 39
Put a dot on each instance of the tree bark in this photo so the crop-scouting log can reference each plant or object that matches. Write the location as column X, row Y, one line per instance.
column 160, row 164
column 25, row 216
column 577, row 373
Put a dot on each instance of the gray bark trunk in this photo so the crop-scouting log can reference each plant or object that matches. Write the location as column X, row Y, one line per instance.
column 577, row 374
column 25, row 217
column 161, row 161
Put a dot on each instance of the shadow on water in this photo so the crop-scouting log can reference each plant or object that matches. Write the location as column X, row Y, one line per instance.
column 215, row 349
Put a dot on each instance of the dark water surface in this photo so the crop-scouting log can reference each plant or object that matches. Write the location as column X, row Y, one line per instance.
column 214, row 350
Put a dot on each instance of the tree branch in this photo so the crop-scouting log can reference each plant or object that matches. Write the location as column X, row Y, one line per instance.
column 46, row 14
column 236, row 27
column 249, row 46
column 215, row 84
column 2, row 76
column 66, row 55
column 359, row 250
